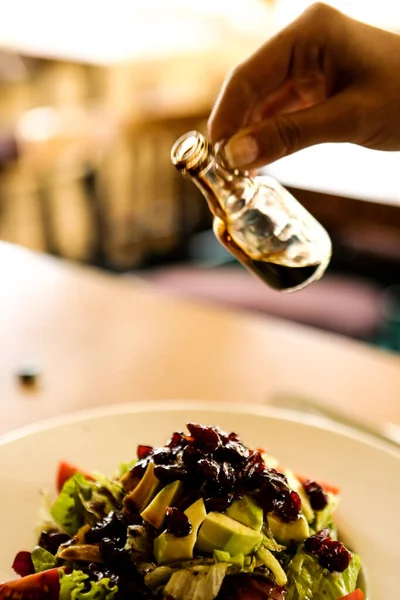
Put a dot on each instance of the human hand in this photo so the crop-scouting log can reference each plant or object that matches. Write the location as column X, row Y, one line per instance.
column 324, row 78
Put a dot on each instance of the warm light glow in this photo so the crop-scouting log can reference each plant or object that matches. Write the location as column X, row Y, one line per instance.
column 105, row 31
column 39, row 124
column 385, row 13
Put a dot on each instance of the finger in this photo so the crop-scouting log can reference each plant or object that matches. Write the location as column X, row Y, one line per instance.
column 283, row 101
column 335, row 120
column 267, row 70
column 247, row 85
column 308, row 77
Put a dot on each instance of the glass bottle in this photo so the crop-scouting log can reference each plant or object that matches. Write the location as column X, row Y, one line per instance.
column 256, row 219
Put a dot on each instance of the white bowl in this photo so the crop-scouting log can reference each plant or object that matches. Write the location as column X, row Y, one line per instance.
column 367, row 471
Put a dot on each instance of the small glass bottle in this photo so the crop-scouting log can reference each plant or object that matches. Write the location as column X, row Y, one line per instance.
column 256, row 219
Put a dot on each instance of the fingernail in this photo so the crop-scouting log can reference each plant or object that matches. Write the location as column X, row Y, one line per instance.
column 241, row 151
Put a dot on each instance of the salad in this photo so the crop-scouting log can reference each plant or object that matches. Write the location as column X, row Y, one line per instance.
column 202, row 517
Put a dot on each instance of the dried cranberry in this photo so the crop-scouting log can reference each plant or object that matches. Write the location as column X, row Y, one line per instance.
column 177, row 523
column 317, row 496
column 205, row 438
column 315, row 542
column 227, row 475
column 273, row 481
column 106, row 547
column 52, row 540
column 265, row 500
column 177, row 440
column 332, row 555
column 223, row 435
column 113, row 527
column 97, row 572
column 288, row 506
column 210, row 469
column 253, row 472
column 144, row 451
column 210, row 489
column 119, row 561
column 191, row 456
column 232, row 452
column 218, row 503
column 249, row 587
column 168, row 473
column 161, row 456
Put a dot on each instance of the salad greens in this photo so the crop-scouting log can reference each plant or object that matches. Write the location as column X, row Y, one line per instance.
column 307, row 579
column 82, row 501
column 76, row 586
column 42, row 559
column 201, row 518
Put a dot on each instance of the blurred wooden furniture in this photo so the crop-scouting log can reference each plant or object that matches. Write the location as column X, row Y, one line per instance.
column 100, row 340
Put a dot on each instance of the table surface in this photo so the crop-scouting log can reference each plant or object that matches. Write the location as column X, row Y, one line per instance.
column 102, row 339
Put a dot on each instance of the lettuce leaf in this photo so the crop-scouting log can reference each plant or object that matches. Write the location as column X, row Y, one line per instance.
column 273, row 564
column 67, row 510
column 270, row 542
column 324, row 517
column 42, row 559
column 307, row 579
column 83, row 502
column 75, row 587
column 198, row 583
column 110, row 485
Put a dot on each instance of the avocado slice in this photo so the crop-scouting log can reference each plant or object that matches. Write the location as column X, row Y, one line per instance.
column 154, row 513
column 247, row 512
column 220, row 532
column 168, row 548
column 297, row 486
column 221, row 556
column 295, row 531
column 144, row 492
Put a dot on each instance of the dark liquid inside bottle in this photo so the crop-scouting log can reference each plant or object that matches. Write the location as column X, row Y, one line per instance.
column 280, row 277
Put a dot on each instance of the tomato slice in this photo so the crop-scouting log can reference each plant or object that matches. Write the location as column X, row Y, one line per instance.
column 41, row 586
column 357, row 595
column 66, row 471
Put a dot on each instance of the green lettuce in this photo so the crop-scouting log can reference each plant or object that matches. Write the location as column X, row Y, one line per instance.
column 83, row 502
column 67, row 510
column 324, row 517
column 42, row 559
column 198, row 583
column 74, row 586
column 273, row 564
column 114, row 488
column 307, row 579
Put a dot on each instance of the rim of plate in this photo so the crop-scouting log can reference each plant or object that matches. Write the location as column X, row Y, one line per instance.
column 176, row 405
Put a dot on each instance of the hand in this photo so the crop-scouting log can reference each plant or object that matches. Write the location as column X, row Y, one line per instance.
column 324, row 78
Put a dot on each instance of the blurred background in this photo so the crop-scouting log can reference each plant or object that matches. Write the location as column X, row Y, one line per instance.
column 92, row 96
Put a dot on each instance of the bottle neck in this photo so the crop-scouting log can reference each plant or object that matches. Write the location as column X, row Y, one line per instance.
column 193, row 157
column 213, row 188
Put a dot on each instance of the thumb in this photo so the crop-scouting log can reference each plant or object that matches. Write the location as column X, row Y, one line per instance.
column 337, row 119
